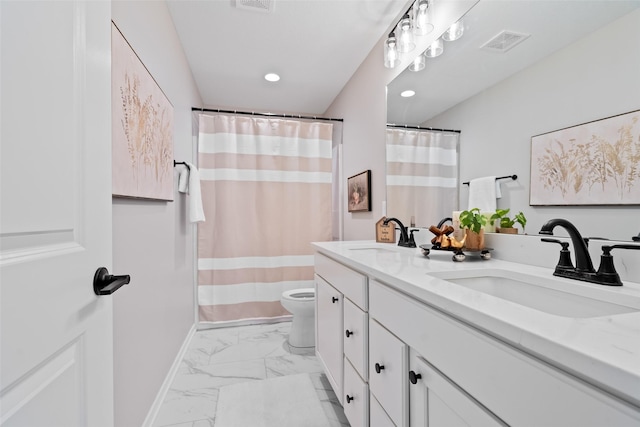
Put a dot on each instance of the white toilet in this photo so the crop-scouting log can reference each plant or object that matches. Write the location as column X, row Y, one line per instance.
column 301, row 303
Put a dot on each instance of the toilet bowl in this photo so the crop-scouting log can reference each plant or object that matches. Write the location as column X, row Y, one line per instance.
column 301, row 303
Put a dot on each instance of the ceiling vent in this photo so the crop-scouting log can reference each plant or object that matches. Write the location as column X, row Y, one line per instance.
column 504, row 41
column 264, row 6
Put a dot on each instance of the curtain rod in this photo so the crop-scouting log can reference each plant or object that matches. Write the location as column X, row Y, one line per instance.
column 390, row 125
column 253, row 113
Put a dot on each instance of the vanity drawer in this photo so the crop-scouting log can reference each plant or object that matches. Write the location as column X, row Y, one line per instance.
column 351, row 283
column 356, row 397
column 388, row 373
column 356, row 328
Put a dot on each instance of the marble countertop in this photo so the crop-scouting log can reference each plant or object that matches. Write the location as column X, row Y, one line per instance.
column 604, row 351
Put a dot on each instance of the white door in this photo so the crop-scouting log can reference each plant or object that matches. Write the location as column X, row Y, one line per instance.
column 56, row 361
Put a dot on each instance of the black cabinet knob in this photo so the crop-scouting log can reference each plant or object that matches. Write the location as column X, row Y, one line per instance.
column 349, row 399
column 334, row 300
column 348, row 333
column 413, row 377
column 379, row 368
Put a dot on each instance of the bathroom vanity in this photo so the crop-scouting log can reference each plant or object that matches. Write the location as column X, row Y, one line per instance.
column 408, row 340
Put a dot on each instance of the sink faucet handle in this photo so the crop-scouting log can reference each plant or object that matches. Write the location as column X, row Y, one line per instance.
column 564, row 263
column 607, row 271
column 411, row 239
column 607, row 248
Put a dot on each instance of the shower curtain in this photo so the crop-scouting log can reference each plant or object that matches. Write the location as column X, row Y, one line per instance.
column 266, row 190
column 422, row 175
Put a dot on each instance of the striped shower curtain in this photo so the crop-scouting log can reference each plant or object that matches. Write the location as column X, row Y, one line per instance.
column 266, row 191
column 422, row 175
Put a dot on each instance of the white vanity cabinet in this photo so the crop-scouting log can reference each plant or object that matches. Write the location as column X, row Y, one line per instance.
column 342, row 335
column 397, row 359
column 474, row 376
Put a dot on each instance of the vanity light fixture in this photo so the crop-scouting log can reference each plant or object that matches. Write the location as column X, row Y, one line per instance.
column 271, row 77
column 421, row 18
column 418, row 63
column 391, row 56
column 405, row 41
column 435, row 49
column 454, row 32
column 407, row 93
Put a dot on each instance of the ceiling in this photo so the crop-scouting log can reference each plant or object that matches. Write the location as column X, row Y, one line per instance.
column 464, row 70
column 314, row 45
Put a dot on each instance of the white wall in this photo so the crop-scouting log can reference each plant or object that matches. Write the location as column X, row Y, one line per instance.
column 562, row 90
column 152, row 240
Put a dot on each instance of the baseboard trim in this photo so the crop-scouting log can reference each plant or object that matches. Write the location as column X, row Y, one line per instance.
column 162, row 393
column 244, row 322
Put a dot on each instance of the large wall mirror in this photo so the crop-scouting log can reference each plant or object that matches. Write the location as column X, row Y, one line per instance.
column 503, row 39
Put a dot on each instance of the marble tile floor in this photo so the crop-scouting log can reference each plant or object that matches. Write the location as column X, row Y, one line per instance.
column 219, row 357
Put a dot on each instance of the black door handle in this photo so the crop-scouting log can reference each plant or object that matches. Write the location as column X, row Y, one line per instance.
column 106, row 284
column 334, row 300
column 349, row 399
column 379, row 367
column 348, row 333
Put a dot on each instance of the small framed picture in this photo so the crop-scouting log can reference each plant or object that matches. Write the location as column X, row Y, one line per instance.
column 359, row 192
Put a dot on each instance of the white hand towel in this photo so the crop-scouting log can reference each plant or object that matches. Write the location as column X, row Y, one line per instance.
column 196, row 212
column 482, row 194
column 183, row 179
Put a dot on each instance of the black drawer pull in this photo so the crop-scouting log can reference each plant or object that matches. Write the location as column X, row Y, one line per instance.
column 334, row 300
column 413, row 377
column 348, row 333
column 349, row 399
column 379, row 368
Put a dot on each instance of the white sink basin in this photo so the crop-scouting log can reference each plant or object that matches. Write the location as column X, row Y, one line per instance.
column 549, row 294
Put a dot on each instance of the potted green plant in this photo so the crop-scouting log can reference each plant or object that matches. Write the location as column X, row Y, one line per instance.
column 473, row 222
column 506, row 223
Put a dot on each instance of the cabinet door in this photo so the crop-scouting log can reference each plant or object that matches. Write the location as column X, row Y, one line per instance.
column 378, row 417
column 329, row 330
column 355, row 335
column 356, row 397
column 388, row 369
column 435, row 401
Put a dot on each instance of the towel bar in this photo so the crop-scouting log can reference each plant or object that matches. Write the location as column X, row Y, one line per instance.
column 181, row 163
column 513, row 177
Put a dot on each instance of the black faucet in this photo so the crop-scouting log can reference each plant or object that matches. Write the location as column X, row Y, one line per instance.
column 404, row 241
column 606, row 274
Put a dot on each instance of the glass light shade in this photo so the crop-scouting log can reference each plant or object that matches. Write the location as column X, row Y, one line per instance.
column 454, row 32
column 405, row 39
column 422, row 18
column 391, row 56
column 435, row 49
column 418, row 64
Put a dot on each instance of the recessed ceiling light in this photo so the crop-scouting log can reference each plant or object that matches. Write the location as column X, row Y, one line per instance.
column 407, row 93
column 272, row 77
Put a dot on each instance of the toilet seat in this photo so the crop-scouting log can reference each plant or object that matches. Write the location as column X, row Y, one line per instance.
column 300, row 294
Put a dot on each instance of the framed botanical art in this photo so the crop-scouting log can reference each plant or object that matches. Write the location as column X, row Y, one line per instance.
column 359, row 192
column 595, row 163
column 142, row 127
